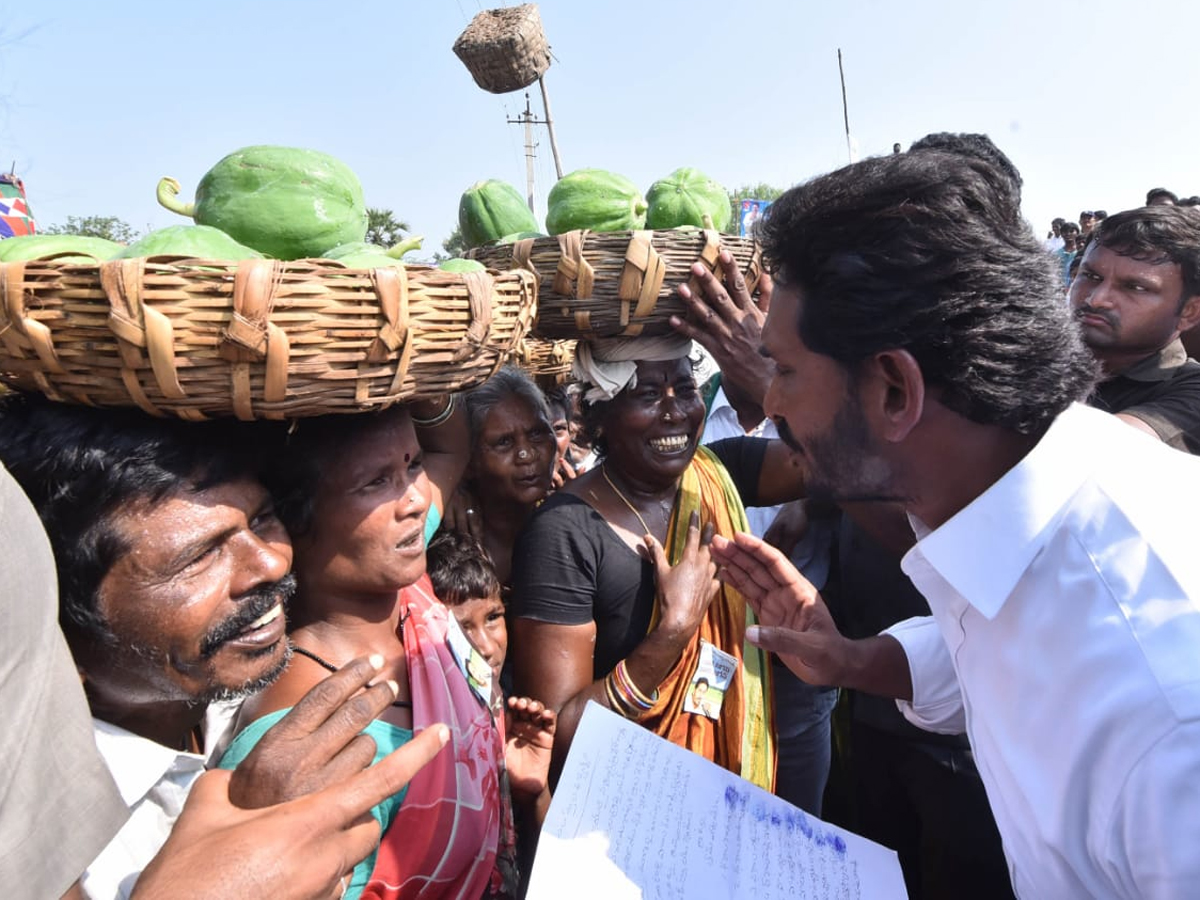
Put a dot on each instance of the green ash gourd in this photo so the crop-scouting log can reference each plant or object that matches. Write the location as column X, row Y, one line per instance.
column 491, row 209
column 461, row 266
column 596, row 200
column 685, row 197
column 361, row 255
column 285, row 202
column 67, row 248
column 199, row 241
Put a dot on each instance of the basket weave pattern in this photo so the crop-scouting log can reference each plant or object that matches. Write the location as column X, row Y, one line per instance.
column 544, row 358
column 256, row 338
column 619, row 283
column 504, row 49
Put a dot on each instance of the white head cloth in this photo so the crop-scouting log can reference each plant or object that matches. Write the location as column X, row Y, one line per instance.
column 607, row 366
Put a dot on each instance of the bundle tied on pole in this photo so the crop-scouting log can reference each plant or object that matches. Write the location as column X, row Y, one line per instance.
column 505, row 49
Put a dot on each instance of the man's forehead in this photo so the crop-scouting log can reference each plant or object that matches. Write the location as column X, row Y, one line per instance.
column 1149, row 263
column 195, row 493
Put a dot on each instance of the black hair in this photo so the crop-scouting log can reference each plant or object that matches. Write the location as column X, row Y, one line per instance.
column 1070, row 226
column 1101, row 215
column 981, row 147
column 1157, row 234
column 460, row 569
column 700, row 681
column 79, row 465
column 1154, row 193
column 299, row 453
column 1189, row 201
column 926, row 251
column 559, row 401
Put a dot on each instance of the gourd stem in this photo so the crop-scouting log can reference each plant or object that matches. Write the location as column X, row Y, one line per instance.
column 168, row 196
column 412, row 243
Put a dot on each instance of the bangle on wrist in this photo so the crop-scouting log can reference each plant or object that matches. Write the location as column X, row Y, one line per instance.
column 440, row 417
column 623, row 695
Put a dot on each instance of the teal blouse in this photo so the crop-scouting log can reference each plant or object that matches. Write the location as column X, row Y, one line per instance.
column 387, row 738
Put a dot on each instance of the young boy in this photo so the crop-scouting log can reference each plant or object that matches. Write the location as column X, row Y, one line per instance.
column 465, row 581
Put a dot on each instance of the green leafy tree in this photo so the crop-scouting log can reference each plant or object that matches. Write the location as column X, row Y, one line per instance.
column 455, row 245
column 383, row 228
column 760, row 191
column 108, row 227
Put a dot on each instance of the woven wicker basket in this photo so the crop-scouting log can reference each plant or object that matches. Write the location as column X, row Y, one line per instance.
column 257, row 338
column 616, row 283
column 504, row 49
column 544, row 359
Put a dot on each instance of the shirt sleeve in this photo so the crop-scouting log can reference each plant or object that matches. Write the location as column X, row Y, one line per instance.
column 1151, row 842
column 743, row 458
column 937, row 703
column 1174, row 415
column 555, row 561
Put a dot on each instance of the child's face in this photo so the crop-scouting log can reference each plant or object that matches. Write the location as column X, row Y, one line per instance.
column 482, row 621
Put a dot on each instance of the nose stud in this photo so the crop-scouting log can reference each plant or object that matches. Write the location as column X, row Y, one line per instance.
column 522, row 453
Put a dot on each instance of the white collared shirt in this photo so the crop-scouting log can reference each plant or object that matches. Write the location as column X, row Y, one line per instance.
column 1066, row 606
column 154, row 782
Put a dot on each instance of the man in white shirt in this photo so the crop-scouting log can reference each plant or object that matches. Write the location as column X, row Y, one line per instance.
column 924, row 356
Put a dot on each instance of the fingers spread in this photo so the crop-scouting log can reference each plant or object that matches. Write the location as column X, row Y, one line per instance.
column 328, row 696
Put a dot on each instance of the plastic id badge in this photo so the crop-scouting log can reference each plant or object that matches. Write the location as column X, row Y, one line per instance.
column 710, row 681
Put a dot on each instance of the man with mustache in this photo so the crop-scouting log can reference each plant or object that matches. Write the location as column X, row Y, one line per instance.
column 173, row 575
column 1137, row 290
column 924, row 356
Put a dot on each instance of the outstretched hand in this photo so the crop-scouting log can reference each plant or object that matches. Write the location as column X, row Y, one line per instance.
column 685, row 589
column 530, row 728
column 298, row 850
column 727, row 321
column 795, row 623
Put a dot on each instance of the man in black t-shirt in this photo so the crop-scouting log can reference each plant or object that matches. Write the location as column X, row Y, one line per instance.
column 1137, row 290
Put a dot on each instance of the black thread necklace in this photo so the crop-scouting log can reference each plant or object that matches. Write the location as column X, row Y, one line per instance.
column 325, row 664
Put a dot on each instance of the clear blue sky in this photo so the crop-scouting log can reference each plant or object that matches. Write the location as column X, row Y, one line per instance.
column 1093, row 101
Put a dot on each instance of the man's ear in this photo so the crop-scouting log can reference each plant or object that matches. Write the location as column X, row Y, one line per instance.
column 894, row 393
column 1189, row 316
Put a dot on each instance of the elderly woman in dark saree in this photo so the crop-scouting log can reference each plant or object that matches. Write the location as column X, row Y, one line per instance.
column 613, row 594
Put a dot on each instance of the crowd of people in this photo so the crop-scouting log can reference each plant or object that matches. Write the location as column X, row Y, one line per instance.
column 918, row 558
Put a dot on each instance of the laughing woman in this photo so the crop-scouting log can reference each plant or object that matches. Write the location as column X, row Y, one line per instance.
column 602, row 612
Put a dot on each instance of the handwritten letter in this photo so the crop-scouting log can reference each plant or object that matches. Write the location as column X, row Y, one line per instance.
column 637, row 817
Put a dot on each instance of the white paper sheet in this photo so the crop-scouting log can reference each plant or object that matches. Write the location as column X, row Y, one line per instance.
column 637, row 817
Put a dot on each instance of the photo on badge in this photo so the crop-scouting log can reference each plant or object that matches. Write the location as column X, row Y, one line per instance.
column 714, row 672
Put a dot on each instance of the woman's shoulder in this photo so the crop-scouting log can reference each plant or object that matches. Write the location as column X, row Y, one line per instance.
column 280, row 696
column 561, row 506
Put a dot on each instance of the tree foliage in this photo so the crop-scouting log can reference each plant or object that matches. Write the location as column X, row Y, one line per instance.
column 455, row 245
column 383, row 228
column 108, row 227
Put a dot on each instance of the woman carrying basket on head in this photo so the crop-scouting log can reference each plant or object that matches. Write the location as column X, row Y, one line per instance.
column 354, row 493
column 614, row 598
